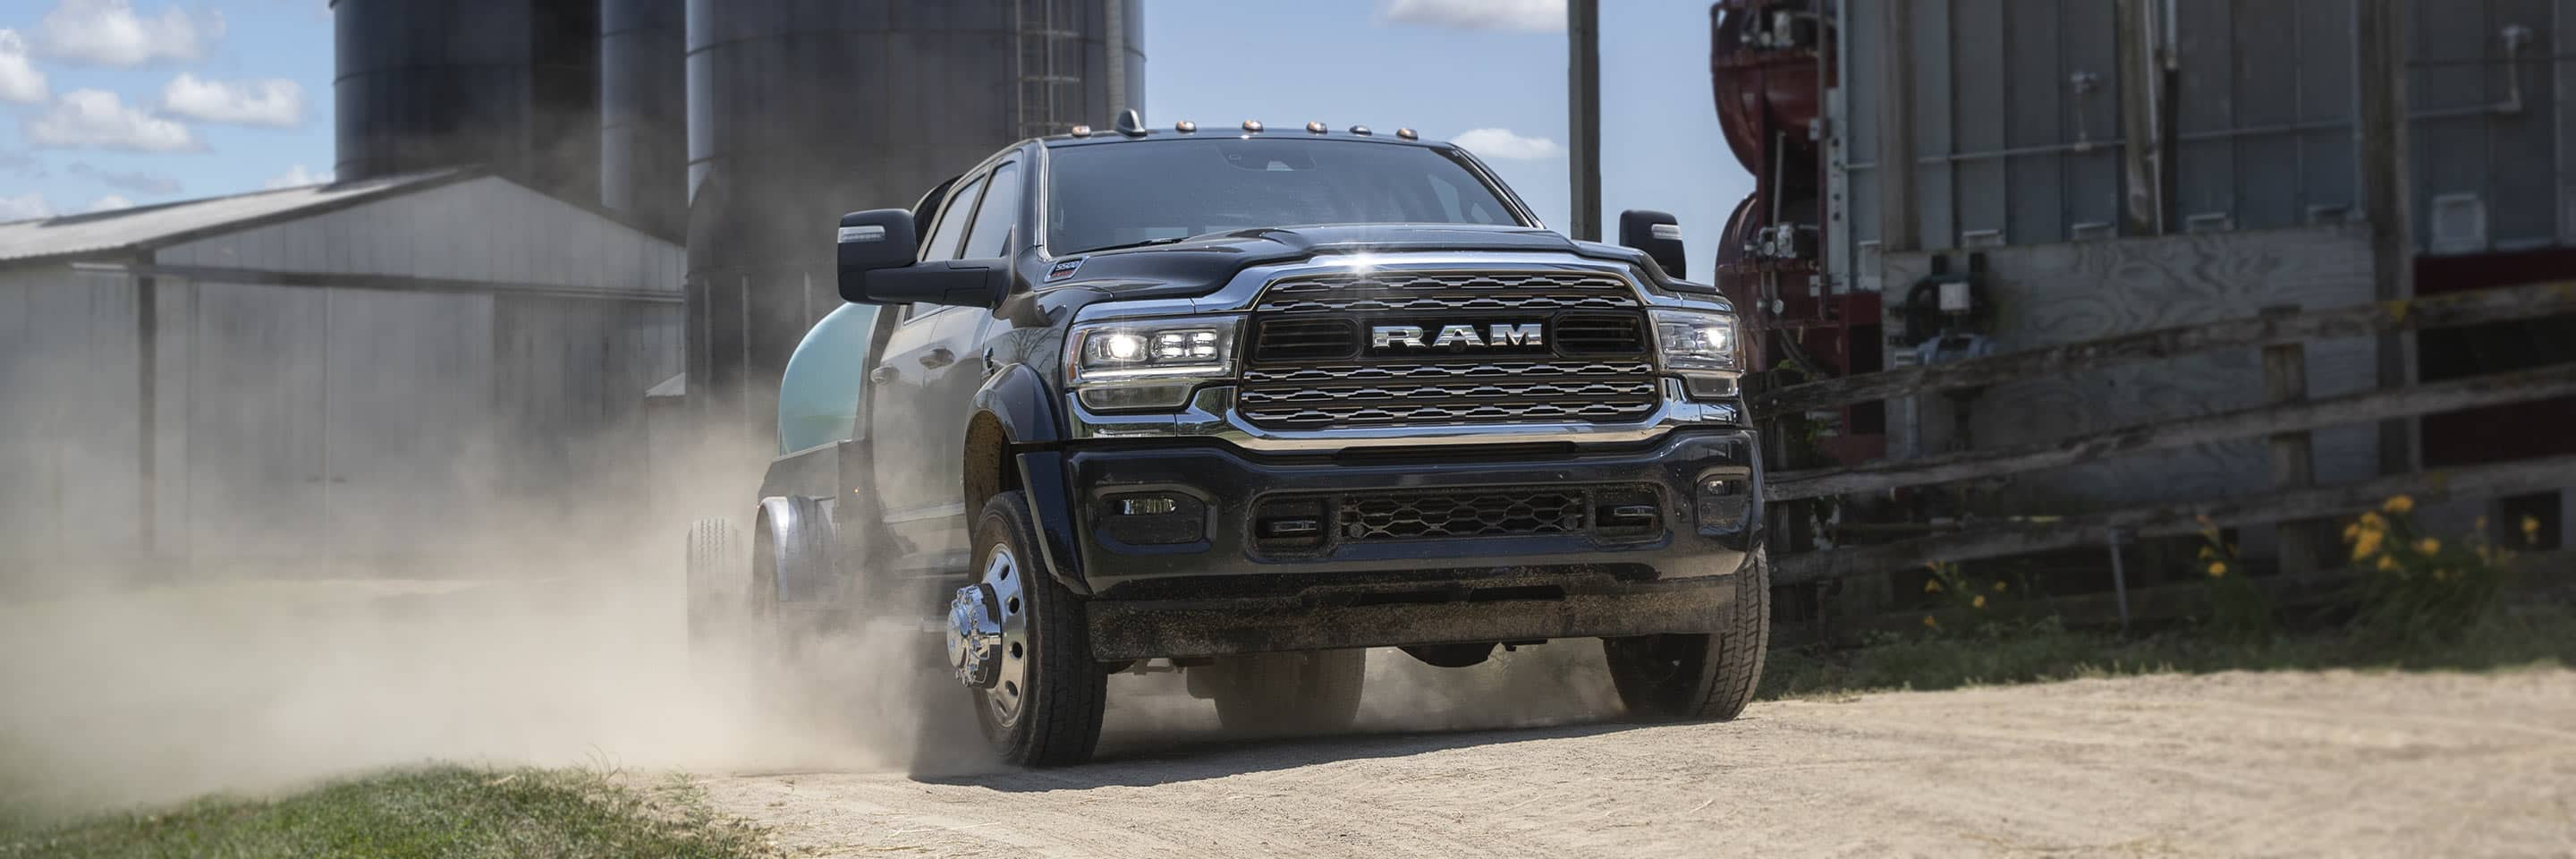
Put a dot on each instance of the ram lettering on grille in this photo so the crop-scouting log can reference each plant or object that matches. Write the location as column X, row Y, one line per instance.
column 1417, row 348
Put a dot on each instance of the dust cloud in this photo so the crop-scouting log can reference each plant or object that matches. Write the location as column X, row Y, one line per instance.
column 546, row 646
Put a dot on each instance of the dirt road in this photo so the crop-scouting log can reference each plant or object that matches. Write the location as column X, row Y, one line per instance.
column 2233, row 764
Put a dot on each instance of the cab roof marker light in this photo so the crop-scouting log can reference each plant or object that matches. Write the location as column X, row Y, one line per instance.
column 1360, row 130
column 1082, row 131
column 1315, row 128
column 1186, row 127
column 1407, row 134
column 1252, row 125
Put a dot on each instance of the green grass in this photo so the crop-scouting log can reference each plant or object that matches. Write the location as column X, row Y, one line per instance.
column 437, row 812
column 2036, row 652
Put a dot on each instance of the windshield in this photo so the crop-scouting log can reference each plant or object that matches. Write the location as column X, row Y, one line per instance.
column 1126, row 193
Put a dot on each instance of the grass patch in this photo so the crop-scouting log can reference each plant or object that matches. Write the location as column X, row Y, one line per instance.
column 2041, row 651
column 436, row 812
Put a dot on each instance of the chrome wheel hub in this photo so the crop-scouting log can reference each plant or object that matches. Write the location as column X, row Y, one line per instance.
column 988, row 641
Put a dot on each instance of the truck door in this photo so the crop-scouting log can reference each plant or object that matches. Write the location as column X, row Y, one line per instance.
column 919, row 449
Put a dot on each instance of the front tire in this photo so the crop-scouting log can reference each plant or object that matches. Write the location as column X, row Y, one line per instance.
column 1670, row 678
column 1269, row 693
column 1045, row 704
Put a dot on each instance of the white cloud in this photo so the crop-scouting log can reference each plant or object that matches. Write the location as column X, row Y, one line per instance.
column 274, row 102
column 1536, row 16
column 1502, row 144
column 19, row 80
column 109, row 203
column 111, row 33
column 89, row 117
column 25, row 206
column 297, row 177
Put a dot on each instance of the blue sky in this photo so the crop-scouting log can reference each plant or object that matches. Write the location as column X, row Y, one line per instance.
column 107, row 102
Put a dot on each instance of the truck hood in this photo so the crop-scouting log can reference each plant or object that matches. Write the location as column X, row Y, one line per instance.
column 1201, row 264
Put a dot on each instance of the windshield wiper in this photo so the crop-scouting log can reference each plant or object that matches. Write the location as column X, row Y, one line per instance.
column 1146, row 243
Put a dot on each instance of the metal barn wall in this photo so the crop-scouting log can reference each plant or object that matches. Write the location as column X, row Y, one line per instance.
column 70, row 468
column 386, row 387
column 2494, row 163
column 2016, row 133
column 2264, row 114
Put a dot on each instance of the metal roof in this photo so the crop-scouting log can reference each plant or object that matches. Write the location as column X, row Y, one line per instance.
column 149, row 226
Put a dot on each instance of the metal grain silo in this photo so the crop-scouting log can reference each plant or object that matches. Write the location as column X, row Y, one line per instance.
column 510, row 84
column 800, row 110
column 644, row 124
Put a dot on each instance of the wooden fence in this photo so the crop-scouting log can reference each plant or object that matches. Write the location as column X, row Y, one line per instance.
column 2287, row 421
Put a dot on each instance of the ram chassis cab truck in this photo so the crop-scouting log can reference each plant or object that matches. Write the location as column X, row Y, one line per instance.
column 1244, row 404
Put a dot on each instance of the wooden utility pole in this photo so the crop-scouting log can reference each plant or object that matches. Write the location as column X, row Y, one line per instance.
column 1583, row 114
column 2379, row 70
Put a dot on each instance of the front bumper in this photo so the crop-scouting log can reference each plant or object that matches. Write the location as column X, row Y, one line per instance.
column 1224, row 582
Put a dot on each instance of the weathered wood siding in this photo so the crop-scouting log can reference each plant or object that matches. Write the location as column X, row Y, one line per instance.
column 2057, row 293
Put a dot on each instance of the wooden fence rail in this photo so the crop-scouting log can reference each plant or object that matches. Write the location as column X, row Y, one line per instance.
column 2360, row 320
column 2040, row 535
column 2491, row 390
column 2284, row 420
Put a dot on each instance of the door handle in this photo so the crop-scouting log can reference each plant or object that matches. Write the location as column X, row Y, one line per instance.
column 883, row 374
column 937, row 357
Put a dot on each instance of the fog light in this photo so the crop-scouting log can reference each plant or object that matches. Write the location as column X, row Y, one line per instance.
column 1153, row 519
column 1722, row 503
column 1152, row 505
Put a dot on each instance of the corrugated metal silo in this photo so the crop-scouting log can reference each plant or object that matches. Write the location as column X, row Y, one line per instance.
column 512, row 84
column 800, row 110
column 644, row 124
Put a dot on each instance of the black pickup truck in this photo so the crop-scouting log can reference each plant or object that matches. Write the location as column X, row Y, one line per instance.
column 1246, row 402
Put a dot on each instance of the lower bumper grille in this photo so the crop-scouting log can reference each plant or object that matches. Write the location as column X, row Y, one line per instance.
column 1611, row 511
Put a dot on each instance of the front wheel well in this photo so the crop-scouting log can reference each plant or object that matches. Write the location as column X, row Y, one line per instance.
column 989, row 471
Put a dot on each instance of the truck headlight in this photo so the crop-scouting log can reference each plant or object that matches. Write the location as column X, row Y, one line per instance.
column 1703, row 348
column 1136, row 364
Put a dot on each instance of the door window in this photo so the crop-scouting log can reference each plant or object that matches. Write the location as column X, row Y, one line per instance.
column 952, row 223
column 991, row 236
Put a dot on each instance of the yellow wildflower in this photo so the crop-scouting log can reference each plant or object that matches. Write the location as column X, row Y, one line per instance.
column 2372, row 522
column 2366, row 546
column 1979, row 602
column 1999, row 586
column 1931, row 586
column 2428, row 546
column 2218, row 569
column 2399, row 505
column 2530, row 529
column 1929, row 623
column 2207, row 553
column 2388, row 563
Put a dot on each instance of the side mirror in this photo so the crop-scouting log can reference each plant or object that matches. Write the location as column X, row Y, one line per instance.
column 1656, row 233
column 880, row 264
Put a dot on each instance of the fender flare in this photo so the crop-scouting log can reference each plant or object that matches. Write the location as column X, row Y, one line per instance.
column 1015, row 427
column 795, row 540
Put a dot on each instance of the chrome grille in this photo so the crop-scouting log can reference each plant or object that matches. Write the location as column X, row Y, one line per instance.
column 1311, row 365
